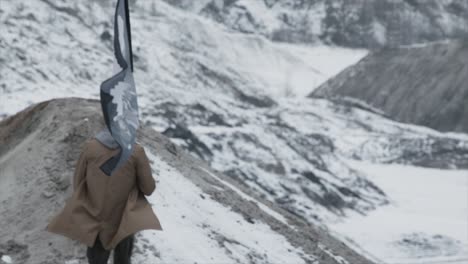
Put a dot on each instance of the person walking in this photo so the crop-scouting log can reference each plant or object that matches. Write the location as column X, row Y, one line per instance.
column 105, row 211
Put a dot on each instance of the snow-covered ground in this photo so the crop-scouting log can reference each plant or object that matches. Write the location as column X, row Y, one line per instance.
column 425, row 222
column 7, row 259
column 191, row 219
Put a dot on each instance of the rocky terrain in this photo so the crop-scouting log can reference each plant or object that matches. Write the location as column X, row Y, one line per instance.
column 421, row 85
column 352, row 23
column 235, row 101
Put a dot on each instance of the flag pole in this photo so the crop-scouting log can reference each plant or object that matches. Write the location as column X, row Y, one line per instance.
column 127, row 13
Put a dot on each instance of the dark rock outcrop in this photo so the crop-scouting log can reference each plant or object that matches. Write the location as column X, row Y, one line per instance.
column 421, row 85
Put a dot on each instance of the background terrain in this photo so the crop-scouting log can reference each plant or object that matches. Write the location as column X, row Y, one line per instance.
column 228, row 81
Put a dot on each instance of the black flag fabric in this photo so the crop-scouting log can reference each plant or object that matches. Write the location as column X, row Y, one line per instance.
column 118, row 93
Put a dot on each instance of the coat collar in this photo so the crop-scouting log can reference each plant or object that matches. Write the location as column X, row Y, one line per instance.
column 105, row 137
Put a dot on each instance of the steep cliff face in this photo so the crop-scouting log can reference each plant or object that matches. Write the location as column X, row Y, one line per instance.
column 423, row 85
column 353, row 23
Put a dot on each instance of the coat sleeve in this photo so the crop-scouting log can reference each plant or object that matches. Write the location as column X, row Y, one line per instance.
column 80, row 168
column 145, row 179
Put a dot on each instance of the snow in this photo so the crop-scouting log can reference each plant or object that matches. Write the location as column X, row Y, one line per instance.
column 425, row 44
column 201, row 230
column 263, row 15
column 426, row 221
column 7, row 259
column 380, row 32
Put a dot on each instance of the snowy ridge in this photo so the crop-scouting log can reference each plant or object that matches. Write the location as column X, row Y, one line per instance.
column 204, row 218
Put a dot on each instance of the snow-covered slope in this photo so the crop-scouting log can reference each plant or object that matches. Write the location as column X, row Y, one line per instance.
column 221, row 95
column 425, row 222
column 353, row 23
column 206, row 217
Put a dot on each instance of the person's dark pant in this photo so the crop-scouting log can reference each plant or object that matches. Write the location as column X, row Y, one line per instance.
column 122, row 252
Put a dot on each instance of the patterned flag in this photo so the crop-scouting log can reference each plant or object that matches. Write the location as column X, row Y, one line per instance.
column 118, row 94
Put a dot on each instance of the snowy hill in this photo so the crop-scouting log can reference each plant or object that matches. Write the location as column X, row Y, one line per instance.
column 430, row 89
column 352, row 23
column 205, row 216
column 234, row 100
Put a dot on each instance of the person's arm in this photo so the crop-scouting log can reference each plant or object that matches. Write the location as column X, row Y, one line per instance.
column 80, row 168
column 145, row 179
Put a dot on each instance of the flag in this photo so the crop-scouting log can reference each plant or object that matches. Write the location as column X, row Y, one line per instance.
column 118, row 94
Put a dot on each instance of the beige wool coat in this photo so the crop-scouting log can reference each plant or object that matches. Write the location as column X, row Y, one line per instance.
column 112, row 207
